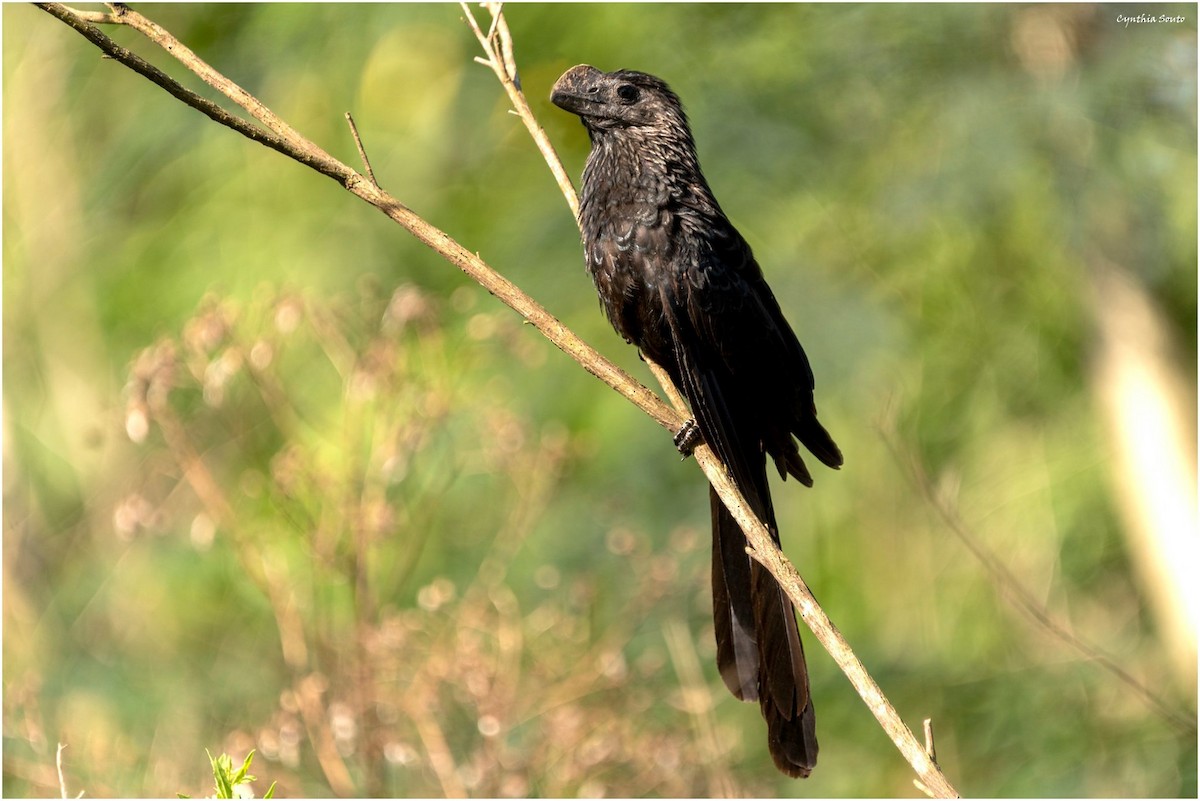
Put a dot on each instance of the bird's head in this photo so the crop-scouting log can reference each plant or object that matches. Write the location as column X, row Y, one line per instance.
column 621, row 100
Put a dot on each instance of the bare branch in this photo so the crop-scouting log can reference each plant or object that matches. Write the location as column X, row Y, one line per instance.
column 506, row 44
column 62, row 781
column 362, row 153
column 930, row 752
column 257, row 109
column 96, row 17
column 930, row 749
column 80, row 21
column 504, row 65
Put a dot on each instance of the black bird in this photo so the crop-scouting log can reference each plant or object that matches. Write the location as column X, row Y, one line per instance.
column 677, row 280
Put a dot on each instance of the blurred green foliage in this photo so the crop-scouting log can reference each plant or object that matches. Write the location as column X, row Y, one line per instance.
column 277, row 477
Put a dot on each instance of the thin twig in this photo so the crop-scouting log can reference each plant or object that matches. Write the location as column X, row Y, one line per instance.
column 506, row 44
column 495, row 21
column 931, row 752
column 97, row 17
column 504, row 65
column 256, row 108
column 672, row 391
column 80, row 21
column 362, row 153
column 62, row 781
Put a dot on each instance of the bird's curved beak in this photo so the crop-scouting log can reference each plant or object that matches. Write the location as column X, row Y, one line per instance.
column 578, row 90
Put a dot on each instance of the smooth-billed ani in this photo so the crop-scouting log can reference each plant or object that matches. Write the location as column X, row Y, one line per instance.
column 677, row 280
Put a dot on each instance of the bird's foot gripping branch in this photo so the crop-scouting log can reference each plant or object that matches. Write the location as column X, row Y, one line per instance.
column 688, row 437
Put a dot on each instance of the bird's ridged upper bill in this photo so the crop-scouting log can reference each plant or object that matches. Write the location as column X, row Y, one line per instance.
column 570, row 92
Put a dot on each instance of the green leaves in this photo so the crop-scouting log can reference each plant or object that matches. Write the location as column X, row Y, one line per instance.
column 230, row 784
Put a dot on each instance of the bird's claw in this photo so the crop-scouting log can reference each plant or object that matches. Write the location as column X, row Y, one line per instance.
column 687, row 438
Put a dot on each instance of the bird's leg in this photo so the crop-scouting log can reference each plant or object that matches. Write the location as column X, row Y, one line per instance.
column 688, row 437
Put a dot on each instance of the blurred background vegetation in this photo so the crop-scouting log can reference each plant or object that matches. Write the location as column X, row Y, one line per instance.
column 277, row 477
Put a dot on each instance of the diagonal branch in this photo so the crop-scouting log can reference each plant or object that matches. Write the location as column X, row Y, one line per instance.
column 125, row 15
column 81, row 22
column 497, row 44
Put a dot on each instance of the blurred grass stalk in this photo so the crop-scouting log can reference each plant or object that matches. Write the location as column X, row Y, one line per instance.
column 1150, row 414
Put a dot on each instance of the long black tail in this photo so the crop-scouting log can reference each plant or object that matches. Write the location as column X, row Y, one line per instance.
column 758, row 645
column 759, row 653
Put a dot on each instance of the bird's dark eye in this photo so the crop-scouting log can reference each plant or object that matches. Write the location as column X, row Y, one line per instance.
column 628, row 92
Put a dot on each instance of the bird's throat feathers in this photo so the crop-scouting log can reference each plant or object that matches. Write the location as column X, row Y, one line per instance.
column 647, row 165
